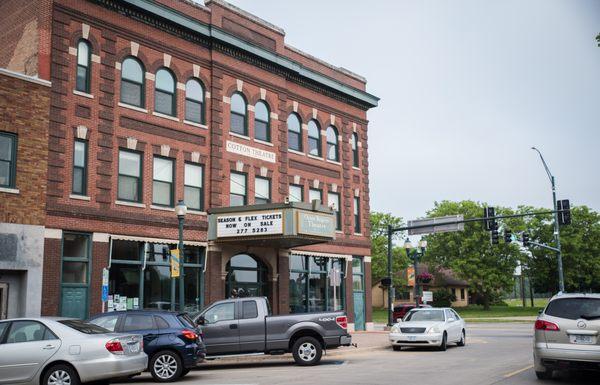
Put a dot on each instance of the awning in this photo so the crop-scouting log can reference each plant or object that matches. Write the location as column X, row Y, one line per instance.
column 156, row 240
column 318, row 254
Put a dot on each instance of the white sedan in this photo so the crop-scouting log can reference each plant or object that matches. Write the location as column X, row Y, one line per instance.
column 429, row 327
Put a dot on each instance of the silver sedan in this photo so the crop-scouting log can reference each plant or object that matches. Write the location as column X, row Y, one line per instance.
column 54, row 351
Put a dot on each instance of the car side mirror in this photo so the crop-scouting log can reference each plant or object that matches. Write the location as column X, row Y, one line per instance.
column 201, row 320
column 399, row 320
column 540, row 311
column 451, row 320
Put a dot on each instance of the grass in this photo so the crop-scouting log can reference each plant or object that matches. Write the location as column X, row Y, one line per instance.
column 514, row 309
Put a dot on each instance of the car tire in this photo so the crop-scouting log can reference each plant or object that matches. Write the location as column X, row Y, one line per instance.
column 166, row 366
column 61, row 372
column 444, row 344
column 185, row 371
column 307, row 351
column 397, row 348
column 547, row 375
column 463, row 339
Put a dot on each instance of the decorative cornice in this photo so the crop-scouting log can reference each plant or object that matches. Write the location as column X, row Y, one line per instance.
column 181, row 25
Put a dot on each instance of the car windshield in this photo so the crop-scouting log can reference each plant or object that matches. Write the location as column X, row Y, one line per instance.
column 84, row 327
column 574, row 308
column 425, row 315
column 186, row 320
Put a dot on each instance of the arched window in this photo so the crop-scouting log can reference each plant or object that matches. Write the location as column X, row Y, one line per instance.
column 262, row 128
column 354, row 143
column 239, row 122
column 294, row 132
column 132, row 82
column 314, row 138
column 164, row 93
column 84, row 55
column 194, row 101
column 332, row 144
column 246, row 277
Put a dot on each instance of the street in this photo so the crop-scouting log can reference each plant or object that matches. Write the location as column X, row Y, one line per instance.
column 495, row 354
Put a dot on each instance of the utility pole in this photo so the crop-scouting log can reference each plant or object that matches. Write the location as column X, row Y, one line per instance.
column 390, row 287
column 561, row 280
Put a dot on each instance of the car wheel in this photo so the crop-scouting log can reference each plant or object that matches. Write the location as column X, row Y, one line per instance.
column 307, row 351
column 397, row 348
column 165, row 366
column 61, row 375
column 444, row 343
column 547, row 375
column 463, row 339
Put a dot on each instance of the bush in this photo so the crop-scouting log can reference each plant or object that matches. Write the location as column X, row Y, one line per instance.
column 443, row 298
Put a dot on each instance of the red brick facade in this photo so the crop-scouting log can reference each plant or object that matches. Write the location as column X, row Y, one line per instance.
column 108, row 125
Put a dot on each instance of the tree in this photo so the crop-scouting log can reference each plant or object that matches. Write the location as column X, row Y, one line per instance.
column 580, row 245
column 379, row 247
column 488, row 269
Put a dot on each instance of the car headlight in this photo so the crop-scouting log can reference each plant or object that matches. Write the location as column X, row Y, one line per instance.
column 395, row 329
column 434, row 329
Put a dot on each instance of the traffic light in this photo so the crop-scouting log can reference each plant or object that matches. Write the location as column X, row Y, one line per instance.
column 507, row 236
column 525, row 239
column 564, row 212
column 494, row 234
column 489, row 212
column 386, row 281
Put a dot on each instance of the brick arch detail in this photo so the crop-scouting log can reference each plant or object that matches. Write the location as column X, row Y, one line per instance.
column 126, row 52
column 74, row 39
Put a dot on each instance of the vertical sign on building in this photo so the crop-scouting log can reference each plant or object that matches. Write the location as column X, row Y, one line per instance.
column 104, row 286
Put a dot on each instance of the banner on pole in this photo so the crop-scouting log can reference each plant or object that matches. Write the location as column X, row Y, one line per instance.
column 175, row 263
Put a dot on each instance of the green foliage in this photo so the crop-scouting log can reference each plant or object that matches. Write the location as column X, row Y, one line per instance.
column 379, row 247
column 443, row 298
column 598, row 39
column 488, row 269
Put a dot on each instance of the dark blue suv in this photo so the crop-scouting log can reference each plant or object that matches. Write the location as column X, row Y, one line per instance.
column 172, row 341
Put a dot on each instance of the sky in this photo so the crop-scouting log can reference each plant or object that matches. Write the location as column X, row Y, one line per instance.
column 467, row 87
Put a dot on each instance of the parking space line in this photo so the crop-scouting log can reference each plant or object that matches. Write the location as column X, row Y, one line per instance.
column 511, row 374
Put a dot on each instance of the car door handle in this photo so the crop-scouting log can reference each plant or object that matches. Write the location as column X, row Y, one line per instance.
column 233, row 326
column 49, row 347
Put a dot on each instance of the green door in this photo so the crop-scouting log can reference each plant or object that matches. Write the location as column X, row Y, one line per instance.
column 358, row 289
column 74, row 302
column 75, row 275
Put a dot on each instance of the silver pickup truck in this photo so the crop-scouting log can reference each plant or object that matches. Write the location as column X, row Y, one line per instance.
column 244, row 326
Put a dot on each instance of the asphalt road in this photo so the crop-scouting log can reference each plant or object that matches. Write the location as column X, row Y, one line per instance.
column 498, row 354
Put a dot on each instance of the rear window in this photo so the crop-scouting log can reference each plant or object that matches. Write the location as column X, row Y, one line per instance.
column 186, row 320
column 574, row 308
column 84, row 327
column 249, row 309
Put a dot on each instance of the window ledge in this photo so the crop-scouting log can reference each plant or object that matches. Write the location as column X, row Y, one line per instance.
column 263, row 142
column 165, row 116
column 84, row 94
column 80, row 197
column 163, row 208
column 9, row 190
column 139, row 109
column 195, row 124
column 239, row 135
column 130, row 204
column 339, row 232
column 334, row 162
column 314, row 156
column 355, row 168
column 194, row 212
column 358, row 234
column 296, row 152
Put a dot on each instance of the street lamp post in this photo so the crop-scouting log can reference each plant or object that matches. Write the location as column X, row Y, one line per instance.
column 561, row 280
column 181, row 210
column 415, row 255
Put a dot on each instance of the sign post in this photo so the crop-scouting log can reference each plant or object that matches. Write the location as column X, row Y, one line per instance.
column 104, row 287
column 335, row 280
column 427, row 296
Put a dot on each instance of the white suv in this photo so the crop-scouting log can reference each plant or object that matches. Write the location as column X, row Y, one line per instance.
column 567, row 335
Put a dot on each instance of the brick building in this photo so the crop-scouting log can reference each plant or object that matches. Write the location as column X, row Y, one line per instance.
column 24, row 106
column 153, row 102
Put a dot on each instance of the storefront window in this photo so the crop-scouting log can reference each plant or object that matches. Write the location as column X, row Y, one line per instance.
column 140, row 276
column 316, row 284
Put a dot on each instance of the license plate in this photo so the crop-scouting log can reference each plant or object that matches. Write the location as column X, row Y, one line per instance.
column 135, row 348
column 581, row 339
column 412, row 338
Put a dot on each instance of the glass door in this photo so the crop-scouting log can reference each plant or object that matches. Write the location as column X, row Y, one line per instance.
column 358, row 282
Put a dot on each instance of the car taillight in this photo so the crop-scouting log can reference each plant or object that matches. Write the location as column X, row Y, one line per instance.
column 190, row 335
column 114, row 346
column 546, row 325
column 342, row 321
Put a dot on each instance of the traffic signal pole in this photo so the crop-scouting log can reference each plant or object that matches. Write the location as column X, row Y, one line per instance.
column 390, row 294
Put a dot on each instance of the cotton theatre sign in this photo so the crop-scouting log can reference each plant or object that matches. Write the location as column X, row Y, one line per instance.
column 284, row 225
